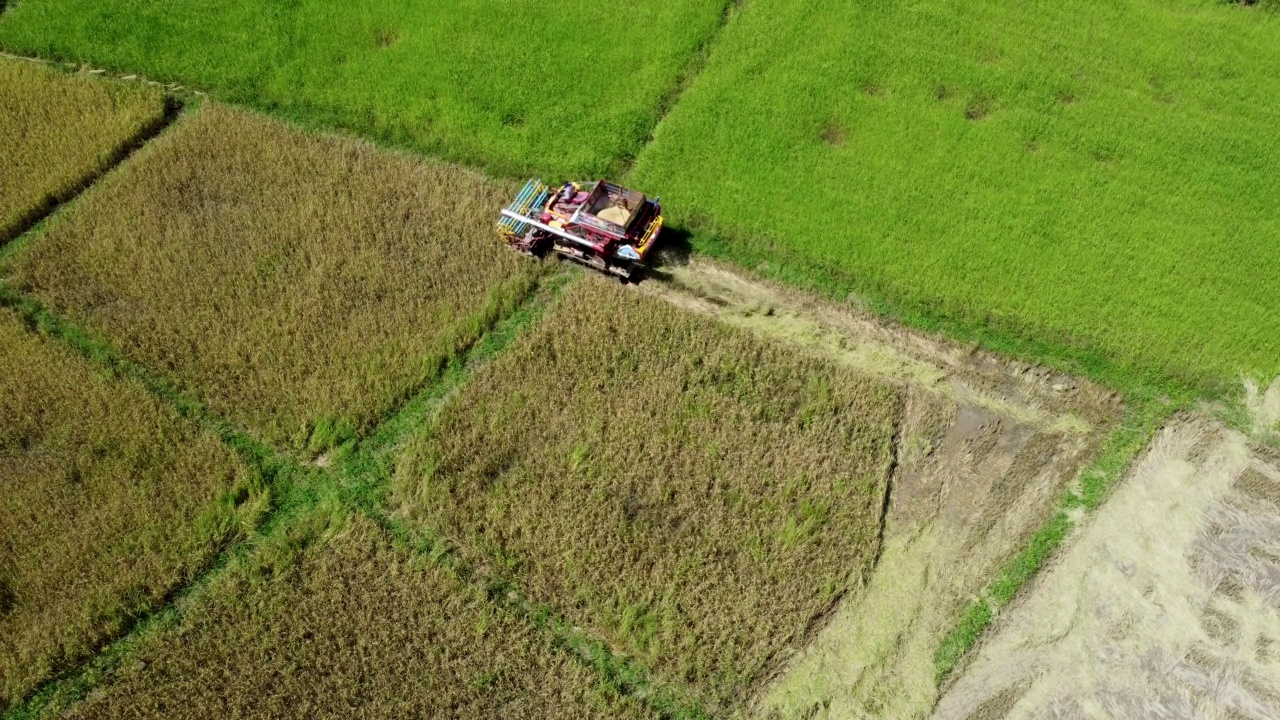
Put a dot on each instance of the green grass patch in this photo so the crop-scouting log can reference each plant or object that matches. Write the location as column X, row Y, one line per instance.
column 1036, row 171
column 58, row 132
column 302, row 286
column 512, row 85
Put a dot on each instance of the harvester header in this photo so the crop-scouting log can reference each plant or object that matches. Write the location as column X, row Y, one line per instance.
column 599, row 224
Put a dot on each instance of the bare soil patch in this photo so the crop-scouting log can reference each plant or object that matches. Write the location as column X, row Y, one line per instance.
column 1167, row 604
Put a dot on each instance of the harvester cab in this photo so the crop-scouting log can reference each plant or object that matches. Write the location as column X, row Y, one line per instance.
column 600, row 224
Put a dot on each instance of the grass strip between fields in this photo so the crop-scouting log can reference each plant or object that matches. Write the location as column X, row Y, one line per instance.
column 990, row 333
column 1145, row 414
column 304, row 499
column 109, row 501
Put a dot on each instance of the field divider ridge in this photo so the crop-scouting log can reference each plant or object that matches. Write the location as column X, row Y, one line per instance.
column 296, row 489
column 684, row 79
column 174, row 108
column 288, row 487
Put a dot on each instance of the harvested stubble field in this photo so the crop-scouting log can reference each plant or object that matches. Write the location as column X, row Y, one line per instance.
column 58, row 131
column 512, row 85
column 108, row 502
column 299, row 284
column 1166, row 606
column 693, row 494
column 351, row 627
column 1095, row 181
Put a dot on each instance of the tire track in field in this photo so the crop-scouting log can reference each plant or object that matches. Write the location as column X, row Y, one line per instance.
column 1032, row 396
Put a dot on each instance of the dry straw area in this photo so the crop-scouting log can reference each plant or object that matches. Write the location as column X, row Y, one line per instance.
column 299, row 284
column 354, row 628
column 58, row 131
column 696, row 495
column 108, row 502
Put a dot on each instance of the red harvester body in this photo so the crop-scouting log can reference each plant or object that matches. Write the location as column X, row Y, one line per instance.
column 600, row 224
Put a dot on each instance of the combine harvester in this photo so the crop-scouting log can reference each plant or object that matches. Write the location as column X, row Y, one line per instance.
column 600, row 224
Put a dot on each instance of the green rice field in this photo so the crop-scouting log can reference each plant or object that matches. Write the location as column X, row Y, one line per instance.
column 1096, row 179
column 511, row 85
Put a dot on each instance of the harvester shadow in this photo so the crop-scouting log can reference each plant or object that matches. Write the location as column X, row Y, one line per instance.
column 675, row 251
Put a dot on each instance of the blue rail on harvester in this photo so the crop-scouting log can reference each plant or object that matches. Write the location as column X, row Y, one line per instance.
column 530, row 199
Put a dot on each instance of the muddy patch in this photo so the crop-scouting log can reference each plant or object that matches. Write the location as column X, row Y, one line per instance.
column 1166, row 604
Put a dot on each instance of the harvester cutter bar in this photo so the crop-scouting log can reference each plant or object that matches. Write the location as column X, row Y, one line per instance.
column 531, row 198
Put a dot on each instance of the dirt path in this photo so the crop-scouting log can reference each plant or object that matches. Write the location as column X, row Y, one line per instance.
column 1030, row 395
column 1167, row 605
column 986, row 448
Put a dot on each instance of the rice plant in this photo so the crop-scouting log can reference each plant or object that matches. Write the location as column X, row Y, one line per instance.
column 695, row 495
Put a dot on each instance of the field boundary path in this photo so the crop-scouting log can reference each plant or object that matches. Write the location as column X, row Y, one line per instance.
column 115, row 155
column 1035, row 396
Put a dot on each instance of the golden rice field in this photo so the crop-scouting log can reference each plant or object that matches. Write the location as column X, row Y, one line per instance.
column 108, row 503
column 692, row 493
column 59, row 131
column 301, row 285
column 353, row 628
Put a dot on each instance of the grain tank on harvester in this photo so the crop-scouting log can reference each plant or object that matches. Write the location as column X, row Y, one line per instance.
column 600, row 224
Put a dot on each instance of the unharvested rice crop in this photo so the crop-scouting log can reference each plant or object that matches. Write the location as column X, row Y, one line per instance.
column 299, row 284
column 57, row 131
column 1098, row 177
column 569, row 87
column 694, row 494
column 108, row 501
column 355, row 628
